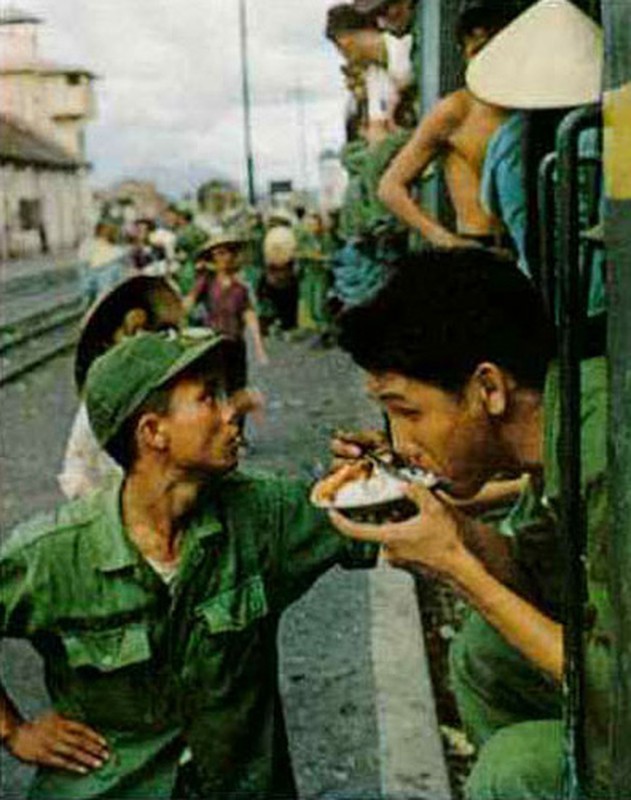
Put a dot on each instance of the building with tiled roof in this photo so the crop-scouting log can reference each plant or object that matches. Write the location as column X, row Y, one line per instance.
column 21, row 145
column 44, row 110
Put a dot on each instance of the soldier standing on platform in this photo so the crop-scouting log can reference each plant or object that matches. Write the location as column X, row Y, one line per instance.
column 155, row 602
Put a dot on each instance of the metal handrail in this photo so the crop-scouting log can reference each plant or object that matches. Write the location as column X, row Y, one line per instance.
column 572, row 318
column 547, row 226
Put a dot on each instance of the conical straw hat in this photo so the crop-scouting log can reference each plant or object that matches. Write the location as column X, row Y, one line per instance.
column 221, row 239
column 551, row 56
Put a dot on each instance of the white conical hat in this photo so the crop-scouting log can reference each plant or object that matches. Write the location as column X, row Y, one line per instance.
column 551, row 56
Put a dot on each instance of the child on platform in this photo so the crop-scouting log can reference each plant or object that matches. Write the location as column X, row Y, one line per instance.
column 224, row 303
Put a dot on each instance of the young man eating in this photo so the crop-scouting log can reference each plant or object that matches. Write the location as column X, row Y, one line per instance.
column 460, row 355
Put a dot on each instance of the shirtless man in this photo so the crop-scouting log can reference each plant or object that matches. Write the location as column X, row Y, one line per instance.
column 456, row 130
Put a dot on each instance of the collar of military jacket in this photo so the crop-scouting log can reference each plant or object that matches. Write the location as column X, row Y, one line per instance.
column 113, row 549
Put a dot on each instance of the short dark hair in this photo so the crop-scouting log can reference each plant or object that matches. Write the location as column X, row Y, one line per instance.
column 446, row 311
column 343, row 18
column 122, row 447
column 491, row 15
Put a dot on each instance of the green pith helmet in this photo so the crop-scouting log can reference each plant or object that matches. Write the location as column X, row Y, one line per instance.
column 156, row 296
column 123, row 378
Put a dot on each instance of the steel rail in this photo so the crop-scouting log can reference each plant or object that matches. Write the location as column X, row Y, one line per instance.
column 50, row 321
column 38, row 361
column 46, row 325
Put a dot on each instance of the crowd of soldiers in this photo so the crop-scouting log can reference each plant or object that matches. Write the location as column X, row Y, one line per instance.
column 155, row 595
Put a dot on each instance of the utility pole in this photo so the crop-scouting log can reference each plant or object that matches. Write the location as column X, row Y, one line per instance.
column 245, row 85
column 298, row 96
column 302, row 126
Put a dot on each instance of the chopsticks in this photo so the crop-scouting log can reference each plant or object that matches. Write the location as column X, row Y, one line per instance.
column 398, row 469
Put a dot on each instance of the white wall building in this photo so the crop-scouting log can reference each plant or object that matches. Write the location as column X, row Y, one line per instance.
column 44, row 109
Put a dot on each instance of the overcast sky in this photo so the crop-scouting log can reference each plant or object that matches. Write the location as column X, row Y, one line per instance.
column 169, row 88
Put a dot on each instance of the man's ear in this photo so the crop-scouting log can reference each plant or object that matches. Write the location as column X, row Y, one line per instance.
column 493, row 387
column 151, row 432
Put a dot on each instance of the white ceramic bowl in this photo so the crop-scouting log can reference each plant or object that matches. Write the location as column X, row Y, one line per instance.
column 376, row 499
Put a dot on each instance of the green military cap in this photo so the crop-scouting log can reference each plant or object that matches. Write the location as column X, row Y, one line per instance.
column 121, row 380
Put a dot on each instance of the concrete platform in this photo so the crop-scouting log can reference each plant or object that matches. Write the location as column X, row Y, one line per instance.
column 412, row 764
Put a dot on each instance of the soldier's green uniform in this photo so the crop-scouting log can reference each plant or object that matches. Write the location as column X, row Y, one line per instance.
column 141, row 664
column 352, row 213
column 314, row 275
column 416, row 56
column 372, row 234
column 253, row 261
column 150, row 665
column 510, row 709
column 380, row 223
column 363, row 214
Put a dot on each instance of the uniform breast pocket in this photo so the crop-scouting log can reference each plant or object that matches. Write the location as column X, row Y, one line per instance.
column 108, row 650
column 235, row 609
column 231, row 643
column 111, row 677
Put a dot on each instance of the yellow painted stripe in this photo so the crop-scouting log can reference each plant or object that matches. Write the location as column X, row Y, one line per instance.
column 617, row 142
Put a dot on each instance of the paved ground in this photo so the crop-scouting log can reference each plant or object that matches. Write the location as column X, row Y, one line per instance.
column 342, row 732
column 327, row 675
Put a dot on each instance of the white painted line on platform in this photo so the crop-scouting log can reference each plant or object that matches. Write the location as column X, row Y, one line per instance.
column 412, row 760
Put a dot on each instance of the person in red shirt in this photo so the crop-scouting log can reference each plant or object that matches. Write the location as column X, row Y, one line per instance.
column 224, row 303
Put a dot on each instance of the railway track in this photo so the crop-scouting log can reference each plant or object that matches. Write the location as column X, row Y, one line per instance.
column 31, row 341
column 40, row 313
column 39, row 320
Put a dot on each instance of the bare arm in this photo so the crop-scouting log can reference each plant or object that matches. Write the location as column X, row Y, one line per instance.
column 538, row 637
column 50, row 740
column 252, row 325
column 477, row 561
column 429, row 141
column 189, row 300
column 494, row 494
column 369, row 48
